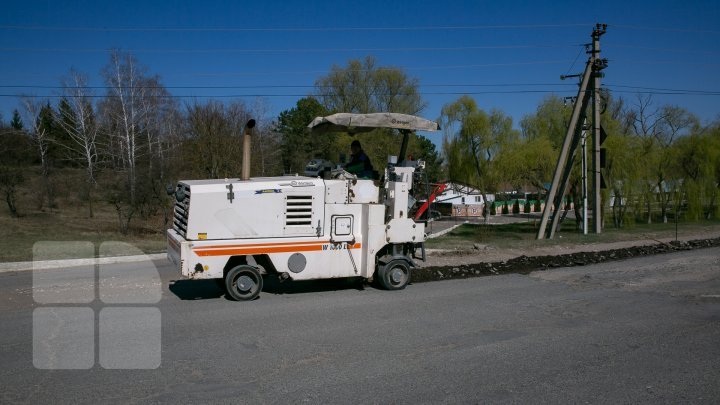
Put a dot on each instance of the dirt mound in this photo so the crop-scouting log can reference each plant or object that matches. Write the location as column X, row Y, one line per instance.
column 528, row 264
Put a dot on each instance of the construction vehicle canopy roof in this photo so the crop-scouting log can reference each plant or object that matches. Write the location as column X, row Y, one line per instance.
column 356, row 123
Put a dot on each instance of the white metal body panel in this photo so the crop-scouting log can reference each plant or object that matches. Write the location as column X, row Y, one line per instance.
column 364, row 192
column 336, row 191
column 374, row 237
column 401, row 230
column 259, row 207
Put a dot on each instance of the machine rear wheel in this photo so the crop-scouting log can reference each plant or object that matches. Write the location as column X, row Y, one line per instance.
column 394, row 275
column 243, row 283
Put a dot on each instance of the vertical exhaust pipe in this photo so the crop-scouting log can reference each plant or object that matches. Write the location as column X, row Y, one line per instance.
column 246, row 149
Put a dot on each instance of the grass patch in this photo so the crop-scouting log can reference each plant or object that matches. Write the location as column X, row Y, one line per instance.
column 21, row 234
column 69, row 221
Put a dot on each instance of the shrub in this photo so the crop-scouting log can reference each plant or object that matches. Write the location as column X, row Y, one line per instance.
column 526, row 207
column 516, row 207
column 505, row 209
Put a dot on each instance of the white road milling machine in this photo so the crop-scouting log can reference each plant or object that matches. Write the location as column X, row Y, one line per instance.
column 302, row 228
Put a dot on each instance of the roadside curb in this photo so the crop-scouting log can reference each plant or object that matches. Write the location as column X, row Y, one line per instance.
column 58, row 264
column 445, row 231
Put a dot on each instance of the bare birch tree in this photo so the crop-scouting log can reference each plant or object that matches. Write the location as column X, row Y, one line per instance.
column 39, row 116
column 129, row 113
column 80, row 124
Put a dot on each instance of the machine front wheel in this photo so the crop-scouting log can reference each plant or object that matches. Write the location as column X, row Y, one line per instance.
column 394, row 275
column 243, row 283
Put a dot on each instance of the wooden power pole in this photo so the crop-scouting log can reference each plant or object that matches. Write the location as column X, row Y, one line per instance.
column 589, row 89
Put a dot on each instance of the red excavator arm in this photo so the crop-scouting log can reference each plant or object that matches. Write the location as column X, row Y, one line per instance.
column 439, row 188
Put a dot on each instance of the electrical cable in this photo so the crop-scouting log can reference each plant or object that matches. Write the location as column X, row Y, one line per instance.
column 285, row 29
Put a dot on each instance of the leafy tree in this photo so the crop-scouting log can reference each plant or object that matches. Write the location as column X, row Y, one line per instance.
column 698, row 159
column 549, row 121
column 622, row 173
column 473, row 140
column 527, row 162
column 422, row 148
column 362, row 87
column 659, row 128
column 298, row 147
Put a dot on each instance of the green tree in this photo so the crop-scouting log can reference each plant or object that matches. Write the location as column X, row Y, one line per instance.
column 550, row 121
column 472, row 142
column 16, row 122
column 623, row 172
column 422, row 148
column 298, row 146
column 698, row 161
column 527, row 162
column 659, row 128
column 362, row 87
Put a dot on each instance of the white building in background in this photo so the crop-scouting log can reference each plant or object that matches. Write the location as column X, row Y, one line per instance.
column 462, row 200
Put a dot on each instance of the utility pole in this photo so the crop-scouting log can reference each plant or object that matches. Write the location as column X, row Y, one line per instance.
column 584, row 179
column 589, row 88
column 598, row 66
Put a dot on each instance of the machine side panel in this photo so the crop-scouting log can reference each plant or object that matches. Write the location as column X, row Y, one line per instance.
column 373, row 235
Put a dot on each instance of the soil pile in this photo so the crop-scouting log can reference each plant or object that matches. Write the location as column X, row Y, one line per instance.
column 528, row 264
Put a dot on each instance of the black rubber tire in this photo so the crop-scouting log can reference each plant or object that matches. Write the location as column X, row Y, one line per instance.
column 243, row 283
column 394, row 275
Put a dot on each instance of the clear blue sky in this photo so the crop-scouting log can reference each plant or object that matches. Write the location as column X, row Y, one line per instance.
column 506, row 54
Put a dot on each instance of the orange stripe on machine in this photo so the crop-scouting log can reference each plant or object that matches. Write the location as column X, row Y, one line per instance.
column 279, row 248
column 266, row 244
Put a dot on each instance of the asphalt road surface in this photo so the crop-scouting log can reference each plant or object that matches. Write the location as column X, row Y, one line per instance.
column 644, row 330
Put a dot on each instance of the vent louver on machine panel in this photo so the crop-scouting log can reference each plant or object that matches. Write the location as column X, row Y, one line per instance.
column 298, row 210
column 182, row 209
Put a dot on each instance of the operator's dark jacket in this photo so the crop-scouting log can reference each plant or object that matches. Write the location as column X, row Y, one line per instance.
column 360, row 166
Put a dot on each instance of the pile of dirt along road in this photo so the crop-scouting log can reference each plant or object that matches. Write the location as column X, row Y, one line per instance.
column 528, row 264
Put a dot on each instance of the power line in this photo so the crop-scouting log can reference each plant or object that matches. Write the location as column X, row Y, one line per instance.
column 439, row 93
column 290, row 50
column 664, row 28
column 659, row 89
column 414, row 68
column 358, row 49
column 661, row 62
column 655, row 49
column 307, row 86
column 286, row 29
column 275, row 86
